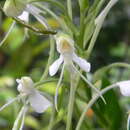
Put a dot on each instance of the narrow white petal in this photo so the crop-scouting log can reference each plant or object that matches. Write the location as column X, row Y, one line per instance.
column 89, row 83
column 124, row 87
column 24, row 16
column 33, row 10
column 9, row 103
column 38, row 102
column 16, row 123
column 18, row 81
column 23, row 118
column 58, row 86
column 83, row 64
column 55, row 66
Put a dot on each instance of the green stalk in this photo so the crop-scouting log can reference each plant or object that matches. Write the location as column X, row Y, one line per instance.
column 51, row 123
column 91, row 102
column 71, row 101
column 69, row 7
column 40, row 31
column 51, row 56
column 38, row 84
column 118, row 64
column 93, row 40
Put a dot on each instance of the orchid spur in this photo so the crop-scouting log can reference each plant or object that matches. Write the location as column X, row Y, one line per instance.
column 68, row 57
column 29, row 96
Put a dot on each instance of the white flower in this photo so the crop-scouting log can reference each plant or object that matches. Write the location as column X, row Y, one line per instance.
column 65, row 46
column 124, row 87
column 99, row 20
column 38, row 102
column 24, row 16
column 29, row 96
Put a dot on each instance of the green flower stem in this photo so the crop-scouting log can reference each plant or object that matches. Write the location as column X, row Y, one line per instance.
column 15, row 127
column 91, row 102
column 69, row 6
column 108, row 67
column 51, row 56
column 113, row 65
column 93, row 40
column 40, row 31
column 73, row 87
column 118, row 64
column 51, row 123
column 44, row 81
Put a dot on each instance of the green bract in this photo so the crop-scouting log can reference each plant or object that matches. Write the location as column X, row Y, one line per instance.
column 13, row 8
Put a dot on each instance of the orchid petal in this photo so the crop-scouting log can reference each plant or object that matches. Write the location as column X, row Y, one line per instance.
column 24, row 16
column 83, row 64
column 38, row 102
column 23, row 118
column 58, row 86
column 36, row 13
column 18, row 81
column 55, row 66
column 124, row 87
column 15, row 126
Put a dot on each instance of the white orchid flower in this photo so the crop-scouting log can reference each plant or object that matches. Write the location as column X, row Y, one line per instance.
column 29, row 96
column 124, row 87
column 68, row 57
column 65, row 46
column 38, row 102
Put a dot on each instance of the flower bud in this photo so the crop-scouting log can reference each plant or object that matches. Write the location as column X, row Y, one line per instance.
column 25, row 85
column 14, row 8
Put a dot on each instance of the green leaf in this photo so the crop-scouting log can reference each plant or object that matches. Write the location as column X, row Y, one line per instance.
column 108, row 114
column 89, row 29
